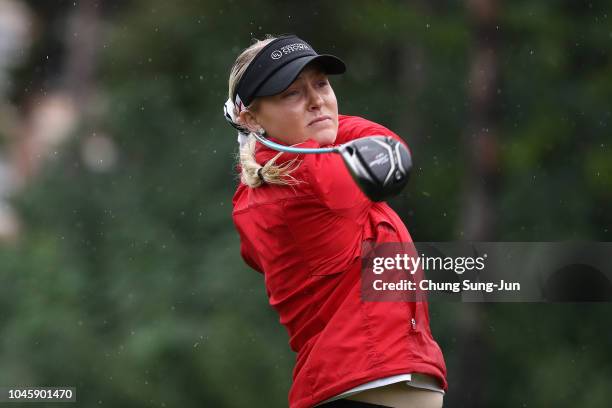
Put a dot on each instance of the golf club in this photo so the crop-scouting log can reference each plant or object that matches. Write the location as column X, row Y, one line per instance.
column 380, row 165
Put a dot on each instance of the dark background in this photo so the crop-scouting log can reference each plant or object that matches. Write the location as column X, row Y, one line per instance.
column 120, row 271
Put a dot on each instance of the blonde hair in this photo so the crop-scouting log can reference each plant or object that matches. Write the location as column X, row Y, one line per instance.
column 250, row 169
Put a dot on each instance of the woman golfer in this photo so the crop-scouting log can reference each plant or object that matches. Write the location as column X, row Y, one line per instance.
column 302, row 221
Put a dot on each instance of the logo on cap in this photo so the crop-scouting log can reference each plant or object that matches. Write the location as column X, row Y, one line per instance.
column 288, row 49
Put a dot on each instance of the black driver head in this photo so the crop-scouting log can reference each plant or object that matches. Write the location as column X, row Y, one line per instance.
column 379, row 164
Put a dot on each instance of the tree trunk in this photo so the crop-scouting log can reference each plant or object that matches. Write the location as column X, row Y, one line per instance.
column 478, row 218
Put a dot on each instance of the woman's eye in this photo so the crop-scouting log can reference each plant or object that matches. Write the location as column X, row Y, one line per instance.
column 323, row 83
column 290, row 93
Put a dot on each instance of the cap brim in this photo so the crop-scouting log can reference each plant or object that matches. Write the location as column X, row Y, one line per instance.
column 281, row 79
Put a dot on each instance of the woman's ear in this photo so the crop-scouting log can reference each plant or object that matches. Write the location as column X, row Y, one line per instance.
column 249, row 121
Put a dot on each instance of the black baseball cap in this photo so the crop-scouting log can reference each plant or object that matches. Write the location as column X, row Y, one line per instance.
column 277, row 65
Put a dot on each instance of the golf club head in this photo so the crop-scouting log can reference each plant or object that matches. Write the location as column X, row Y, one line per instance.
column 380, row 165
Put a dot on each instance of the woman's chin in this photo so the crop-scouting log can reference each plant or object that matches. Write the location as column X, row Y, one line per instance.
column 325, row 136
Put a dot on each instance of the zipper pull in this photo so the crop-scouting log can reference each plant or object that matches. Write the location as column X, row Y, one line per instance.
column 413, row 321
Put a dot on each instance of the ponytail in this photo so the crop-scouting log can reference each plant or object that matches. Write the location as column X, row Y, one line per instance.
column 254, row 174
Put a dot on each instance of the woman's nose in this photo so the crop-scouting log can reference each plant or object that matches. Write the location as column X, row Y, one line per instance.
column 315, row 99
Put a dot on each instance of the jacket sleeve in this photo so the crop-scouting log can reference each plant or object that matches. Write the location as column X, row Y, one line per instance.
column 330, row 179
column 354, row 127
column 247, row 251
column 332, row 183
column 244, row 252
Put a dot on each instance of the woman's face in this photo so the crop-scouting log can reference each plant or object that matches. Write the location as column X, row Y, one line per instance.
column 307, row 109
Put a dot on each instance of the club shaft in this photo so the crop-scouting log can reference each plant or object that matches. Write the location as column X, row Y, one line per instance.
column 291, row 149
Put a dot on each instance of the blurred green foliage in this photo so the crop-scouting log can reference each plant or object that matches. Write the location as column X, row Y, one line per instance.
column 129, row 285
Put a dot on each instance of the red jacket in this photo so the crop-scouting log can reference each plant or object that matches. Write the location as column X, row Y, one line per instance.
column 306, row 240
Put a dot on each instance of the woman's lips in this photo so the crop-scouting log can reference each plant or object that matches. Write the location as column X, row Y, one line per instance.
column 319, row 119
